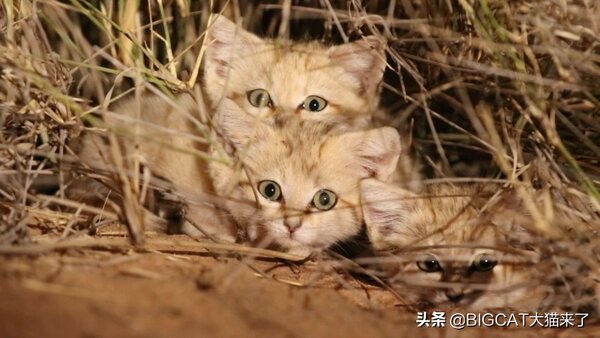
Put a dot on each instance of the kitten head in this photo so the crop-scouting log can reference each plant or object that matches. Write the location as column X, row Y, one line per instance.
column 442, row 252
column 297, row 185
column 270, row 78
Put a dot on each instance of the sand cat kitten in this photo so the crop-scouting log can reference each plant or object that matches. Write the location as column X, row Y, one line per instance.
column 270, row 78
column 441, row 251
column 167, row 132
column 301, row 178
column 297, row 185
column 244, row 74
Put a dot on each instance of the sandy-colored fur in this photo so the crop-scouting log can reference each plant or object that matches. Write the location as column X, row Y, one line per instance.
column 348, row 76
column 447, row 221
column 301, row 156
column 164, row 135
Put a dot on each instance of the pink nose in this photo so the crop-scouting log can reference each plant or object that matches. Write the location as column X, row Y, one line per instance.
column 292, row 223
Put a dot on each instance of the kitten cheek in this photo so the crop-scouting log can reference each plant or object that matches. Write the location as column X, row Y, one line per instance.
column 344, row 224
column 265, row 113
column 274, row 227
column 261, row 113
column 306, row 235
column 426, row 278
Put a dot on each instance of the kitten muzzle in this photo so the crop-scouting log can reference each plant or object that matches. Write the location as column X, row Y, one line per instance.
column 455, row 295
column 292, row 224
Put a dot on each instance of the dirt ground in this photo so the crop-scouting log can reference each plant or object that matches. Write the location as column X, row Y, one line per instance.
column 126, row 293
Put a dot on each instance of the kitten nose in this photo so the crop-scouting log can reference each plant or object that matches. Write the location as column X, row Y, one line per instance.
column 455, row 295
column 292, row 223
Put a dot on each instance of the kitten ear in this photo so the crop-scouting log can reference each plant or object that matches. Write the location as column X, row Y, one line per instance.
column 364, row 60
column 237, row 126
column 225, row 43
column 386, row 210
column 375, row 152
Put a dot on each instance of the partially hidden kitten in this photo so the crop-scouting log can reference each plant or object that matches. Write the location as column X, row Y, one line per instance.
column 165, row 136
column 439, row 248
column 292, row 185
column 272, row 78
column 278, row 79
column 302, row 176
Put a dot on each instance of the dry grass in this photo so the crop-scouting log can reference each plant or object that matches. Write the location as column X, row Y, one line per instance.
column 492, row 89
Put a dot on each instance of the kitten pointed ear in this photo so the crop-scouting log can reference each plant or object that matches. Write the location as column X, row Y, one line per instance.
column 364, row 60
column 386, row 211
column 237, row 126
column 375, row 152
column 225, row 43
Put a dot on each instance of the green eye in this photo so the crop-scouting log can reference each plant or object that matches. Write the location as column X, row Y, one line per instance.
column 314, row 103
column 483, row 263
column 270, row 190
column 429, row 264
column 324, row 199
column 259, row 98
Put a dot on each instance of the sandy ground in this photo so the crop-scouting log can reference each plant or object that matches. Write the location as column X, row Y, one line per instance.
column 125, row 293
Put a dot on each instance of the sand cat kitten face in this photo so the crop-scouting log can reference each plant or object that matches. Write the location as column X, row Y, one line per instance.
column 441, row 253
column 299, row 189
column 268, row 78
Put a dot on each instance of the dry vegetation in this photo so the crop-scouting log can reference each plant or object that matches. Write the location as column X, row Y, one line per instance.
column 502, row 90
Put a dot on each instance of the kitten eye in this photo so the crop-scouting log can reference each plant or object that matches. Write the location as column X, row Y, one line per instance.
column 429, row 264
column 314, row 103
column 324, row 199
column 259, row 98
column 270, row 190
column 483, row 263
